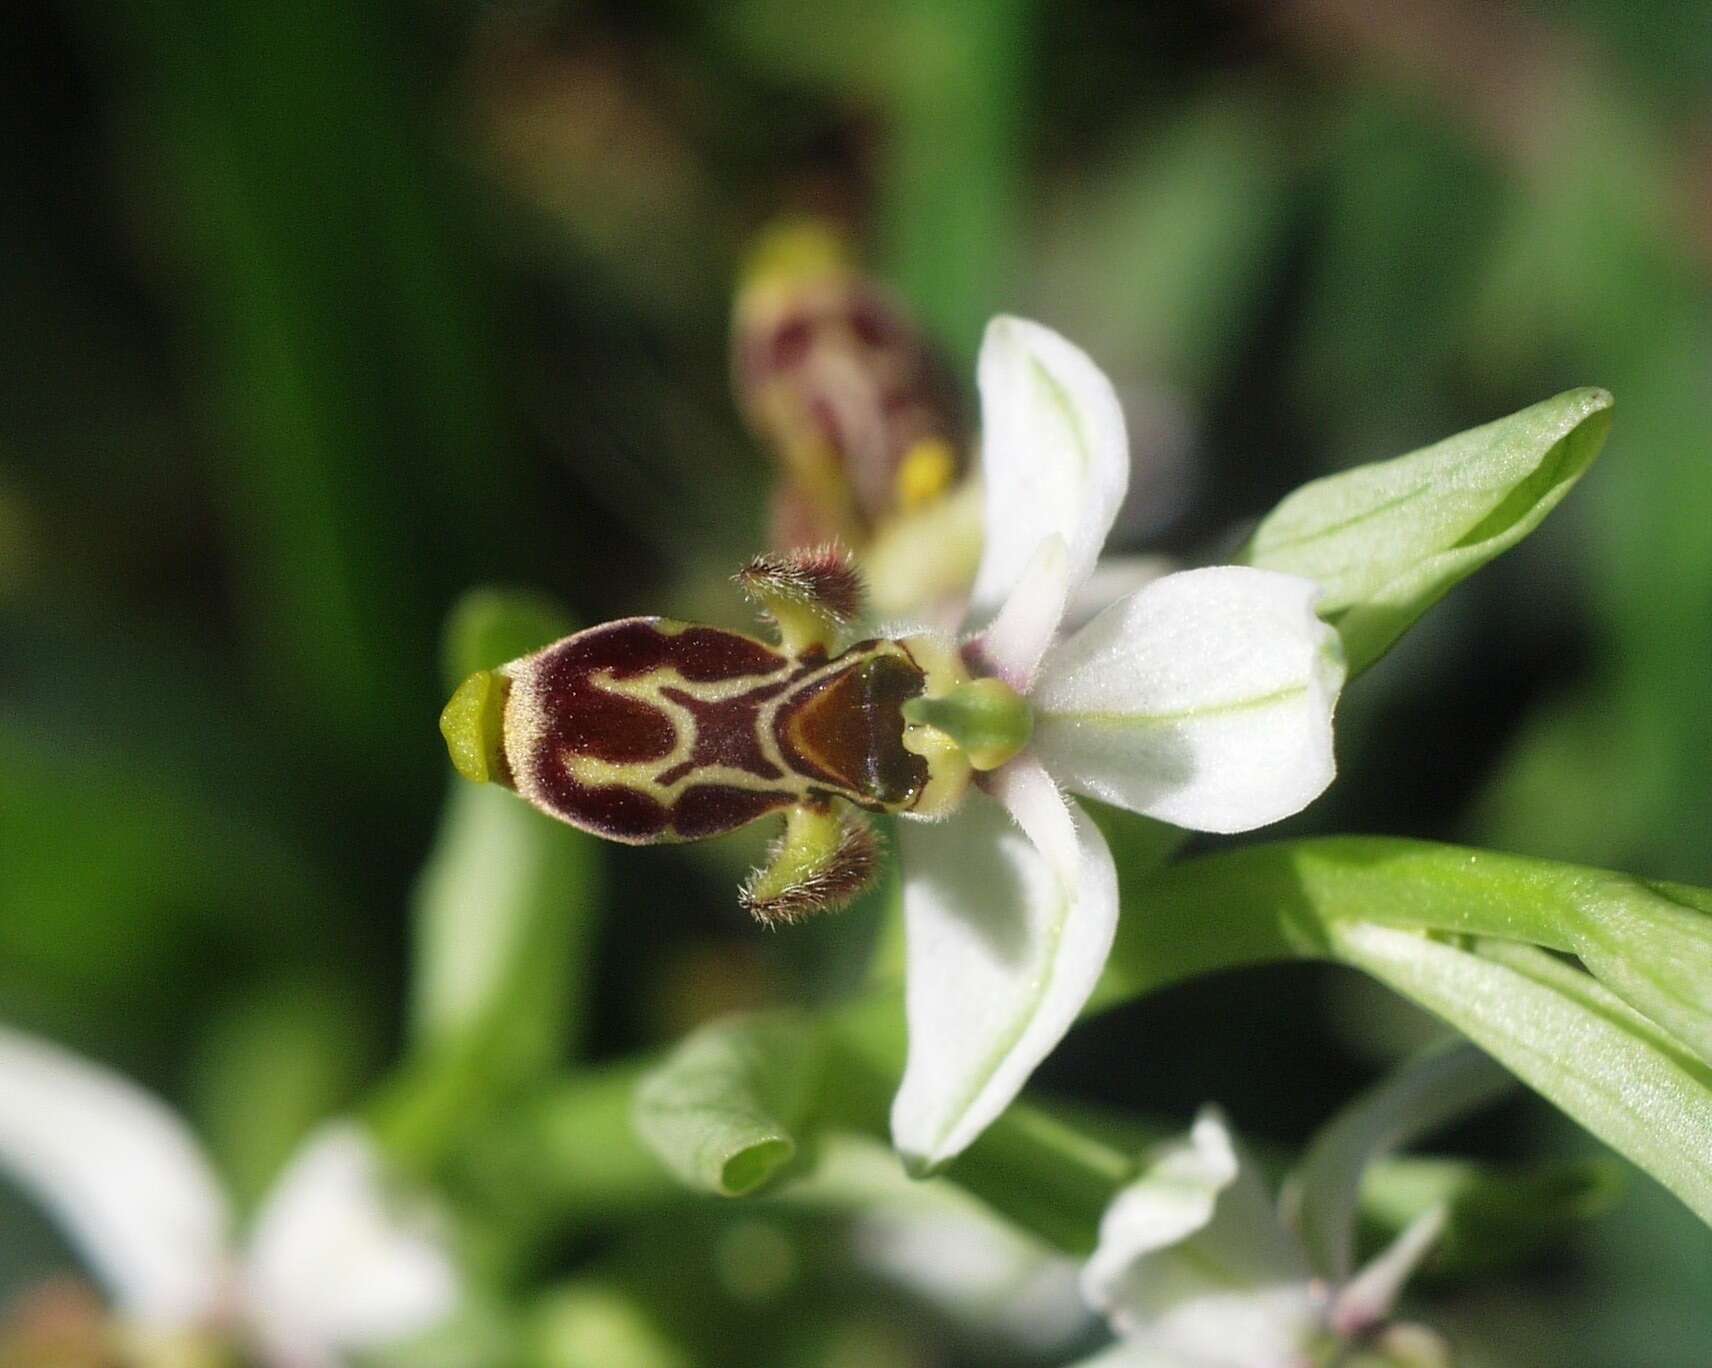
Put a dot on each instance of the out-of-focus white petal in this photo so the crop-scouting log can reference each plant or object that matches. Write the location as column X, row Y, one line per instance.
column 1369, row 1297
column 1054, row 457
column 123, row 1175
column 1007, row 932
column 977, row 1269
column 946, row 1246
column 1204, row 699
column 1193, row 1261
column 1135, row 1353
column 338, row 1262
column 1018, row 637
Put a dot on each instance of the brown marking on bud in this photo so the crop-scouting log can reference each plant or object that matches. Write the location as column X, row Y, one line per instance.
column 823, row 579
column 833, row 884
column 833, row 375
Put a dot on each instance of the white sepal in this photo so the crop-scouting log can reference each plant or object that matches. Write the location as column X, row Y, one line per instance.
column 338, row 1261
column 1054, row 457
column 123, row 1176
column 1204, row 699
column 1007, row 932
column 1013, row 645
column 1368, row 1298
column 1193, row 1262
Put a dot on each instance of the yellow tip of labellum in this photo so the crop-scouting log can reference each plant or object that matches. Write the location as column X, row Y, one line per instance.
column 472, row 723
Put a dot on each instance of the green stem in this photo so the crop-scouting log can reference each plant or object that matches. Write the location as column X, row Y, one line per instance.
column 1648, row 943
column 576, row 1156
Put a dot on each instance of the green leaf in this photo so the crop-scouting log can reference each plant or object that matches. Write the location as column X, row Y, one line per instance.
column 506, row 910
column 1388, row 540
column 1497, row 1215
column 1568, row 1038
column 1349, row 899
column 505, row 914
column 1650, row 943
column 722, row 1110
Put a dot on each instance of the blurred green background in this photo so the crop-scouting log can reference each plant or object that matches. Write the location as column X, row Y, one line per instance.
column 318, row 314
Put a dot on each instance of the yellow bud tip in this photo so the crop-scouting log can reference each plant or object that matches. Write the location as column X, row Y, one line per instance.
column 472, row 723
column 925, row 473
column 796, row 250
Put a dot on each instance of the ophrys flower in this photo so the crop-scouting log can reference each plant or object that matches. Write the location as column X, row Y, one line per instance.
column 1203, row 699
column 1198, row 1267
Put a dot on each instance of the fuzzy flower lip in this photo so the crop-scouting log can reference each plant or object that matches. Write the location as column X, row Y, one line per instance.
column 335, row 1263
column 1204, row 699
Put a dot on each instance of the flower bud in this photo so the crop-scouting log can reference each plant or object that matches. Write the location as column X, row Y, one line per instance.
column 836, row 380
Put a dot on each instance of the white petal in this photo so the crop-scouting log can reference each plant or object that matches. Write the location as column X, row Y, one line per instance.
column 1007, row 934
column 122, row 1174
column 1204, row 699
column 1013, row 646
column 1113, row 578
column 1368, row 1298
column 338, row 1262
column 1054, row 457
column 1192, row 1258
column 977, row 1269
column 1136, row 1353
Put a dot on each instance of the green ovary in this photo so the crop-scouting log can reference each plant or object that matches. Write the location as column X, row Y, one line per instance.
column 989, row 720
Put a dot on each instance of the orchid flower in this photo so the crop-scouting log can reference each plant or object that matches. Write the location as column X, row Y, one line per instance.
column 1204, row 698
column 1196, row 1269
column 335, row 1262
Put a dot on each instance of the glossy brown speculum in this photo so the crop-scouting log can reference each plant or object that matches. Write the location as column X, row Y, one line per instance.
column 648, row 730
